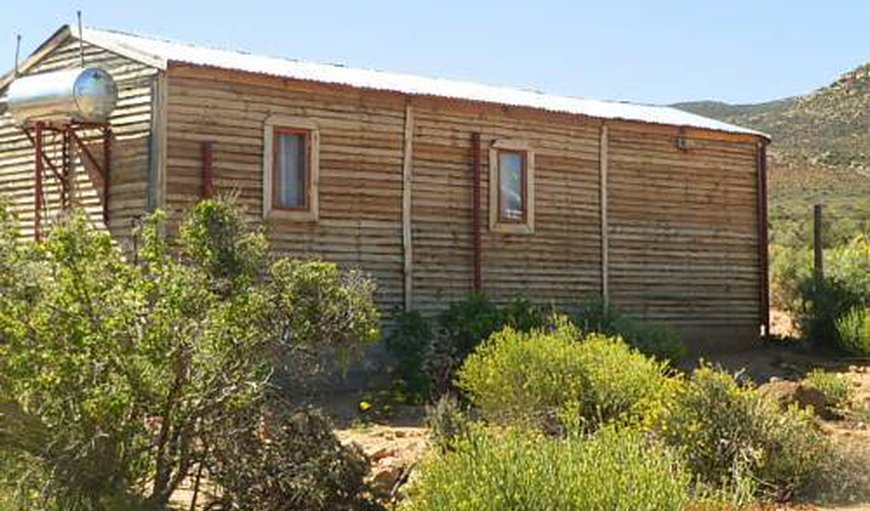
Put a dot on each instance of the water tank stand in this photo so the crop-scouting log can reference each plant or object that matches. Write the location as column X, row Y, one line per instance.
column 71, row 136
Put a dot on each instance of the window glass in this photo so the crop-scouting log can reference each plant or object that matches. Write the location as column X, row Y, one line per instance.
column 291, row 169
column 511, row 167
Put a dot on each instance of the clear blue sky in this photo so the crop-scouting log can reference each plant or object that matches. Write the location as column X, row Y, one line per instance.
column 647, row 51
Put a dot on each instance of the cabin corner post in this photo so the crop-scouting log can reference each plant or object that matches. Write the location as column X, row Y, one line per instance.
column 158, row 144
column 763, row 240
column 605, row 237
column 407, row 183
column 477, row 279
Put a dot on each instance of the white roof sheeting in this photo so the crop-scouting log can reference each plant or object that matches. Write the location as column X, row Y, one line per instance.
column 160, row 53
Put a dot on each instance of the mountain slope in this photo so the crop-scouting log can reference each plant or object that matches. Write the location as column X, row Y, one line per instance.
column 820, row 151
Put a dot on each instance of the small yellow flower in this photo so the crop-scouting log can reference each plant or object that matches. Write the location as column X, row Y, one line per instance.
column 364, row 406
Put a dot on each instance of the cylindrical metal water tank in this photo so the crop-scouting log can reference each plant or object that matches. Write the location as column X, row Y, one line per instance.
column 82, row 95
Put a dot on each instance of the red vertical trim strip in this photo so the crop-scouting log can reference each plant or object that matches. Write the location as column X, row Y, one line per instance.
column 207, row 170
column 763, row 239
column 37, row 209
column 475, row 214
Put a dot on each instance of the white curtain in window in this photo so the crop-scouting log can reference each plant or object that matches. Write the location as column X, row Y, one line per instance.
column 291, row 170
column 510, row 179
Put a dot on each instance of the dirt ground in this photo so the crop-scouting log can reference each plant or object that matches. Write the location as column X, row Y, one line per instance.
column 395, row 444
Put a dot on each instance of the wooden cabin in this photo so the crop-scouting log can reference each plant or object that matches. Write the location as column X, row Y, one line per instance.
column 434, row 187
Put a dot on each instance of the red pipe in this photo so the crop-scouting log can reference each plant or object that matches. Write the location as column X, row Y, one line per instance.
column 763, row 238
column 107, row 172
column 37, row 211
column 475, row 206
column 207, row 170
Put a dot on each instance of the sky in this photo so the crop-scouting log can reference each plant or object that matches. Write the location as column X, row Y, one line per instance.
column 665, row 51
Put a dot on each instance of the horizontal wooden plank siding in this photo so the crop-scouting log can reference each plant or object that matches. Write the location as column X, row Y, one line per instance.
column 557, row 264
column 131, row 126
column 682, row 225
column 683, row 232
column 360, row 182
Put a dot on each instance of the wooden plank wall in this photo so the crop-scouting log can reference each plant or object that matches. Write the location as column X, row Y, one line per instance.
column 361, row 142
column 683, row 232
column 682, row 224
column 557, row 264
column 131, row 125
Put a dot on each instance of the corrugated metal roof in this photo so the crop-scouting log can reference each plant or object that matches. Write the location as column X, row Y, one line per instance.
column 160, row 53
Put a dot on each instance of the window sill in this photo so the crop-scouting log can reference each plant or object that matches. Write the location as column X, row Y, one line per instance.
column 512, row 228
column 286, row 215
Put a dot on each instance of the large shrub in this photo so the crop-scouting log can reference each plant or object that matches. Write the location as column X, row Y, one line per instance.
column 652, row 339
column 538, row 376
column 428, row 353
column 518, row 470
column 274, row 458
column 111, row 370
column 853, row 330
column 819, row 306
column 729, row 431
column 837, row 388
column 409, row 342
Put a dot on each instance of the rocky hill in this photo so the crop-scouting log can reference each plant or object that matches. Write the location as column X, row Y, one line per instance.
column 820, row 151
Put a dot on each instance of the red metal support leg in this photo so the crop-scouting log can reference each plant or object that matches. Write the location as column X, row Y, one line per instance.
column 37, row 200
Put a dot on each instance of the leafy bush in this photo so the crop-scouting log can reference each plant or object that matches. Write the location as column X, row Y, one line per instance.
column 523, row 315
column 819, row 306
column 428, row 356
column 853, row 330
column 446, row 421
column 728, row 431
column 649, row 338
column 517, row 470
column 466, row 323
column 823, row 304
column 113, row 372
column 409, row 343
column 273, row 459
column 538, row 377
column 836, row 387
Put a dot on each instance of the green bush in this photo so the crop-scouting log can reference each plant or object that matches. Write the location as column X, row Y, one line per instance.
column 114, row 370
column 853, row 330
column 409, row 344
column 274, row 458
column 466, row 323
column 518, row 470
column 446, row 421
column 538, row 377
column 523, row 315
column 836, row 387
column 823, row 304
column 819, row 307
column 649, row 338
column 461, row 328
column 728, row 431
